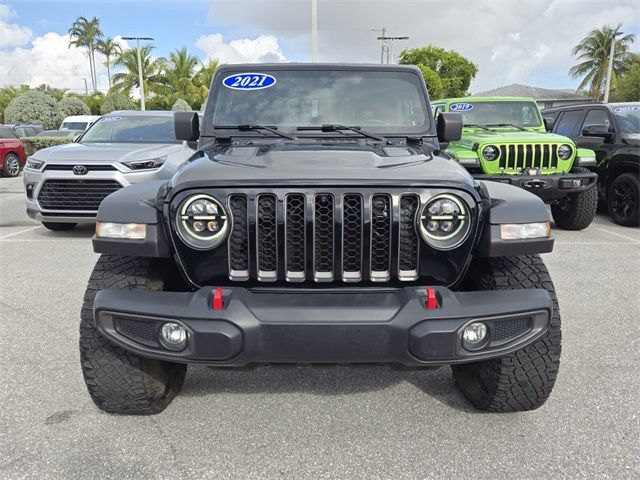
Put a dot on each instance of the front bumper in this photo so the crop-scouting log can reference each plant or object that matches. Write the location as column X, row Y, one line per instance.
column 323, row 326
column 547, row 187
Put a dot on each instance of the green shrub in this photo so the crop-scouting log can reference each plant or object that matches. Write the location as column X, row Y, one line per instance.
column 34, row 107
column 181, row 106
column 73, row 106
column 116, row 102
column 33, row 144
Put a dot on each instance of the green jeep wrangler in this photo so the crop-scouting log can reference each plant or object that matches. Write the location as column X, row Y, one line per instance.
column 505, row 140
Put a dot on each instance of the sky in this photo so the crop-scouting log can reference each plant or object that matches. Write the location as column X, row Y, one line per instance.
column 511, row 41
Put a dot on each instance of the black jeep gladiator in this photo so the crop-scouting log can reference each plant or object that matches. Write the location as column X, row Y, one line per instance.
column 319, row 223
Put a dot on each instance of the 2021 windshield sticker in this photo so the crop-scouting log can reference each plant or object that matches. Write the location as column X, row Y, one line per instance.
column 461, row 107
column 249, row 81
column 626, row 109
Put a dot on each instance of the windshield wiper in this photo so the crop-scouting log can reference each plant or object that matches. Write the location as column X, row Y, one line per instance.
column 475, row 125
column 332, row 127
column 506, row 125
column 254, row 127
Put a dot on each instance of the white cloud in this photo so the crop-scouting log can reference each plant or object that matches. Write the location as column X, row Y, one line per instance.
column 264, row 48
column 11, row 35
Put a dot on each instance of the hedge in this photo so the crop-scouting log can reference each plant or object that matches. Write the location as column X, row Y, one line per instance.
column 33, row 144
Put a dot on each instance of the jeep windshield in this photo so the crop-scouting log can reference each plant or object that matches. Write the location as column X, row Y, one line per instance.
column 131, row 129
column 498, row 114
column 384, row 102
column 628, row 117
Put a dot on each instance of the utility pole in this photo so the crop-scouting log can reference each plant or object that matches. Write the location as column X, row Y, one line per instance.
column 386, row 45
column 140, row 75
column 610, row 68
column 314, row 31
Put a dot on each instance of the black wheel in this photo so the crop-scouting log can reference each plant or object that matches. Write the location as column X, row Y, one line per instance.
column 524, row 379
column 119, row 381
column 11, row 166
column 576, row 212
column 59, row 227
column 623, row 200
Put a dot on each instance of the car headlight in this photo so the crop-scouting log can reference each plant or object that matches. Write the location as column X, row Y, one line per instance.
column 564, row 152
column 146, row 164
column 490, row 152
column 34, row 164
column 202, row 222
column 444, row 222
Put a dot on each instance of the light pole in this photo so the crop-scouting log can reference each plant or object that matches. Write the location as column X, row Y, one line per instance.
column 610, row 68
column 140, row 77
column 314, row 31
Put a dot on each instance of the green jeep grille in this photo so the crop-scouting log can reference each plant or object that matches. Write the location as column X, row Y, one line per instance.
column 516, row 157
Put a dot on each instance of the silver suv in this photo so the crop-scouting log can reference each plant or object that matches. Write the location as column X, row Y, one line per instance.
column 66, row 183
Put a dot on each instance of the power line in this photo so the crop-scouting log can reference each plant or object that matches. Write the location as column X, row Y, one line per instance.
column 386, row 45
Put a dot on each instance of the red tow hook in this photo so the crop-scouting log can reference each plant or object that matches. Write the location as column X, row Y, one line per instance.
column 217, row 303
column 432, row 302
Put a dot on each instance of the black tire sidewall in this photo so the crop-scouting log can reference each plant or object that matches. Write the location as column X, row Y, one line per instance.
column 634, row 218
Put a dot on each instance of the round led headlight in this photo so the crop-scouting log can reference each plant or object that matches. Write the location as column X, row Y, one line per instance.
column 490, row 152
column 444, row 222
column 202, row 222
column 564, row 152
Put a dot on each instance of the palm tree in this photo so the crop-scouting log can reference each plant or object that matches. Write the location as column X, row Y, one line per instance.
column 593, row 52
column 110, row 49
column 152, row 71
column 85, row 33
column 205, row 74
column 180, row 71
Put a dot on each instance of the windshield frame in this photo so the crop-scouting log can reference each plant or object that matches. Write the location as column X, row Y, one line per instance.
column 497, row 102
column 106, row 118
column 208, row 128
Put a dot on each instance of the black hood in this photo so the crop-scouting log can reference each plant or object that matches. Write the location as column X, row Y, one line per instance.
column 310, row 165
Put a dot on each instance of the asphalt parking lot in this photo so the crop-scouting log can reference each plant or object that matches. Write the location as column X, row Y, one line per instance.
column 316, row 423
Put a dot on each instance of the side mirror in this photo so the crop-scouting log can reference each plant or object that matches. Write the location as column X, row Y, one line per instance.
column 186, row 126
column 597, row 131
column 549, row 123
column 449, row 127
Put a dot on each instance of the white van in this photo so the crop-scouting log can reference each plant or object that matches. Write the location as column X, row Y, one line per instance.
column 78, row 122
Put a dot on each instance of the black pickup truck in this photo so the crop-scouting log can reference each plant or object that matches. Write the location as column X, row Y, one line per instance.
column 320, row 223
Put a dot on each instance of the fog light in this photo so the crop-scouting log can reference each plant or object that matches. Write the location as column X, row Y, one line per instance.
column 577, row 182
column 474, row 334
column 173, row 336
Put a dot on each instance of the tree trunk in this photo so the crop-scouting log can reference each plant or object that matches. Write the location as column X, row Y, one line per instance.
column 109, row 71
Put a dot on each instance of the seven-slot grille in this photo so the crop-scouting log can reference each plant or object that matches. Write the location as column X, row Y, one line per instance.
column 519, row 157
column 323, row 236
column 81, row 195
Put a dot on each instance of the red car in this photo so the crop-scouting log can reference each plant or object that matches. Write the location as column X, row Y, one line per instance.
column 12, row 156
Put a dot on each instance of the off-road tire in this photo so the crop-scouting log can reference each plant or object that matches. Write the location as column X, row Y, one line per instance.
column 59, row 226
column 11, row 165
column 625, row 185
column 522, row 380
column 577, row 211
column 120, row 381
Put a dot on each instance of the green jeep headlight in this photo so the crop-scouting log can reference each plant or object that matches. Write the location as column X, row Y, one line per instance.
column 490, row 152
column 564, row 152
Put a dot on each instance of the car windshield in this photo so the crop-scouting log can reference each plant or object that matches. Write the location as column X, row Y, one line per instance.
column 73, row 126
column 131, row 129
column 628, row 117
column 7, row 133
column 522, row 114
column 376, row 101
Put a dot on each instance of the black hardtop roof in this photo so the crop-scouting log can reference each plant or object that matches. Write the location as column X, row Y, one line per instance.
column 256, row 67
column 610, row 106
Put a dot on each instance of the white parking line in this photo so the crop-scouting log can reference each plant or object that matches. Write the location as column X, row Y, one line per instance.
column 19, row 233
column 3, row 196
column 635, row 240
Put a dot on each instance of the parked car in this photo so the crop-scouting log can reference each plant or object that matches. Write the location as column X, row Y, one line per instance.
column 25, row 130
column 613, row 132
column 12, row 156
column 504, row 140
column 78, row 122
column 60, row 133
column 66, row 183
column 319, row 223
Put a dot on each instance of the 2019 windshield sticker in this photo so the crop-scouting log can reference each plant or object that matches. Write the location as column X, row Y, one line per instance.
column 460, row 107
column 249, row 81
column 626, row 109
